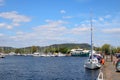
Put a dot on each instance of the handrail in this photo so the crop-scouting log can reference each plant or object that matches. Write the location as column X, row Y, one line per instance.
column 100, row 76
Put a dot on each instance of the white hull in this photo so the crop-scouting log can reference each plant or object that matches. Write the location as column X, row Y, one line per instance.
column 92, row 64
column 2, row 56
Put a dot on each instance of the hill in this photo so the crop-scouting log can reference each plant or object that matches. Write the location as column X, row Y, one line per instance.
column 72, row 45
column 52, row 48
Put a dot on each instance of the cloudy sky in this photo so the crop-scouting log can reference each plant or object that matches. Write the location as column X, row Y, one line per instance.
column 45, row 22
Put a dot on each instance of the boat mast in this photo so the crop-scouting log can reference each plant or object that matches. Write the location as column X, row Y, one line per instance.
column 91, row 36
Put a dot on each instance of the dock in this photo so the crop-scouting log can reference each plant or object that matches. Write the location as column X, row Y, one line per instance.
column 109, row 70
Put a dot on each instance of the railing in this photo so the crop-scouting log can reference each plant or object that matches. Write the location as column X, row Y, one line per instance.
column 100, row 76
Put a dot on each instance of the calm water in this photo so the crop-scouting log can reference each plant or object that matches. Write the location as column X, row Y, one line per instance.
column 45, row 68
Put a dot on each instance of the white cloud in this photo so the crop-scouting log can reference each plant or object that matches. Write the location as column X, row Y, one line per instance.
column 50, row 33
column 62, row 11
column 55, row 31
column 59, row 31
column 14, row 16
column 1, row 34
column 51, row 29
column 101, row 19
column 113, row 30
column 108, row 16
column 80, row 30
column 9, row 27
column 15, row 24
column 67, row 17
column 16, row 19
column 2, row 25
column 19, row 33
column 109, row 29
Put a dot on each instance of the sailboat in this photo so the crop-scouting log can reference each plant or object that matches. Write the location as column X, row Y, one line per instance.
column 92, row 62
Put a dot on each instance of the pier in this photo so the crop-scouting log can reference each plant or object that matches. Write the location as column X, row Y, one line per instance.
column 109, row 70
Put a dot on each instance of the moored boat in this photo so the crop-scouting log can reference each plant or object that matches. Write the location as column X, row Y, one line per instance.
column 2, row 55
column 92, row 62
column 36, row 54
column 79, row 52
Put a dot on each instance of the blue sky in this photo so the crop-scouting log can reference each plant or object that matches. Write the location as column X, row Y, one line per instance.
column 45, row 22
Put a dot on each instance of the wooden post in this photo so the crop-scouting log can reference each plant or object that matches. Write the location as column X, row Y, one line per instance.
column 111, row 58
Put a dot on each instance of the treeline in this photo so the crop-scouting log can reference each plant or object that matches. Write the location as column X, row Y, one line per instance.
column 64, row 48
column 108, row 49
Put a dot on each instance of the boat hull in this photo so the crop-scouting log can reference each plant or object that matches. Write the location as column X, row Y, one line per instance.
column 80, row 54
column 92, row 64
column 2, row 56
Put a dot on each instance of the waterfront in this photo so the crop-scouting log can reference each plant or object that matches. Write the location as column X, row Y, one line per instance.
column 45, row 68
column 109, row 70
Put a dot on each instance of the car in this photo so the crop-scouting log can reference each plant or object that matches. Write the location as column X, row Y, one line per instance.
column 118, row 65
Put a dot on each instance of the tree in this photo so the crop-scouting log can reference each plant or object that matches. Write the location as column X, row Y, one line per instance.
column 33, row 49
column 113, row 50
column 17, row 51
column 118, row 50
column 1, row 50
column 64, row 50
column 97, row 49
column 106, row 48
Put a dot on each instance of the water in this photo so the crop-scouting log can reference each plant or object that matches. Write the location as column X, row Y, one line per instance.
column 45, row 68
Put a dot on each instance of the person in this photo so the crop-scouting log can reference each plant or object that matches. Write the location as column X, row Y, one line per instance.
column 115, row 60
column 102, row 61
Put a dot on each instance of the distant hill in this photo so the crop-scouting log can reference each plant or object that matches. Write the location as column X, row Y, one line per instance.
column 6, row 49
column 73, row 45
column 32, row 49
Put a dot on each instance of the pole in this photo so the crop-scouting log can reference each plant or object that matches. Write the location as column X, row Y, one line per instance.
column 91, row 36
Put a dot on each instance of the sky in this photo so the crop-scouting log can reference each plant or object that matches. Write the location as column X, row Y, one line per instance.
column 45, row 22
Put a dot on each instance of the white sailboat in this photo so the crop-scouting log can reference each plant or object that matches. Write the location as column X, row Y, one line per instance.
column 92, row 62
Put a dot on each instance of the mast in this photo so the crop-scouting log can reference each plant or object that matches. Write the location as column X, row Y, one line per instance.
column 91, row 36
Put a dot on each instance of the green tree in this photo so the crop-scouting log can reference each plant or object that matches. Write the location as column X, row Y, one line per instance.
column 114, row 50
column 0, row 49
column 106, row 48
column 118, row 50
column 33, row 49
column 64, row 50
column 17, row 51
column 97, row 49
